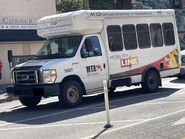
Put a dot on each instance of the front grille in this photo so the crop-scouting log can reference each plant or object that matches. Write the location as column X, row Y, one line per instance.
column 26, row 77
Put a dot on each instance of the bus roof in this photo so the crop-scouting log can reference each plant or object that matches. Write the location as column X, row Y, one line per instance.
column 112, row 13
column 79, row 22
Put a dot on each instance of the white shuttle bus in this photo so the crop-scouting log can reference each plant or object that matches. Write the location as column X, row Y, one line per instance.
column 83, row 48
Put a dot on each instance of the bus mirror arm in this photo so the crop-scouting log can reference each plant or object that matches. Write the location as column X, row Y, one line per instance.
column 10, row 58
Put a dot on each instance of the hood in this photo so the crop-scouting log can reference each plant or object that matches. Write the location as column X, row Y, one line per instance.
column 41, row 62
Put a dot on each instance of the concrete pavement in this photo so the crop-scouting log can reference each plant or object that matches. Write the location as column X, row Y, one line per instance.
column 134, row 114
column 4, row 97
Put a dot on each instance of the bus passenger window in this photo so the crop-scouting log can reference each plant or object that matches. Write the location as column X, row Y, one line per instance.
column 114, row 38
column 143, row 36
column 156, row 35
column 129, row 36
column 168, row 31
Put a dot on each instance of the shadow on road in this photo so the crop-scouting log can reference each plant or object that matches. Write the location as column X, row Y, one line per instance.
column 178, row 81
column 53, row 112
column 100, row 133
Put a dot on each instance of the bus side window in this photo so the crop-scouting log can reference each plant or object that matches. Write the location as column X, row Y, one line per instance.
column 114, row 38
column 143, row 36
column 168, row 31
column 156, row 35
column 129, row 36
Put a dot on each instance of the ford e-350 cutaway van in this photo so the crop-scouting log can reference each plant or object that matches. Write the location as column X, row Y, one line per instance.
column 83, row 48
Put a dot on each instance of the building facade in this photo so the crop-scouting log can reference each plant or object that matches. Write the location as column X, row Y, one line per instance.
column 18, row 29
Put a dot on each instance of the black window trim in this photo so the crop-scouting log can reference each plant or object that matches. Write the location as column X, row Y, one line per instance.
column 164, row 35
column 161, row 35
column 81, row 51
column 122, row 48
column 150, row 41
column 137, row 45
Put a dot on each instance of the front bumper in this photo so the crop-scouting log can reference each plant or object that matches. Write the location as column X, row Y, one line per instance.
column 44, row 90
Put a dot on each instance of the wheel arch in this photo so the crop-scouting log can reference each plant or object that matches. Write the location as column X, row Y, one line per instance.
column 75, row 78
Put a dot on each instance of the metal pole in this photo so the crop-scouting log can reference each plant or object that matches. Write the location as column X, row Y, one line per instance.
column 106, row 103
column 115, row 3
column 86, row 4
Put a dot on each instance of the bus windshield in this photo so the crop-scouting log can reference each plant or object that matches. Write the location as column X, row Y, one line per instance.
column 61, row 47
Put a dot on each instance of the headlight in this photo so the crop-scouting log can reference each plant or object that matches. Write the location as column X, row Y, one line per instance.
column 49, row 76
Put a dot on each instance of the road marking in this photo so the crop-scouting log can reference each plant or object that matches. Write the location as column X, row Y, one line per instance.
column 163, row 102
column 76, row 109
column 65, row 125
column 179, row 122
column 137, row 123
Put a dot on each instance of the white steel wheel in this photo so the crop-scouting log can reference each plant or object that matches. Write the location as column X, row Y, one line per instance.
column 71, row 93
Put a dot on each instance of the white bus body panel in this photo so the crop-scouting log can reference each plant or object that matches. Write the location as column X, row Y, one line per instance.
column 95, row 22
column 68, row 24
column 140, row 59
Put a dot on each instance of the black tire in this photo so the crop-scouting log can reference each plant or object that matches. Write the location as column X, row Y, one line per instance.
column 151, row 81
column 30, row 102
column 71, row 93
column 111, row 90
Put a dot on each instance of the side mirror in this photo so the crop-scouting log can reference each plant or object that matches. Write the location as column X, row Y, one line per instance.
column 83, row 55
column 10, row 58
column 97, row 52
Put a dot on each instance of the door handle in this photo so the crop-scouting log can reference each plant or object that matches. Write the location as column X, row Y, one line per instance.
column 104, row 66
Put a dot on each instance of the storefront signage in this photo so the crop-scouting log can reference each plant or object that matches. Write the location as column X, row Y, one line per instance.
column 8, row 22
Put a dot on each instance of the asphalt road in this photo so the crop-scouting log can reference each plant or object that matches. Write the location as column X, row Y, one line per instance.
column 134, row 115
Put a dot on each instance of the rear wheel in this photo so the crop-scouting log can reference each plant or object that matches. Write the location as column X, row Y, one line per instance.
column 30, row 101
column 151, row 81
column 71, row 93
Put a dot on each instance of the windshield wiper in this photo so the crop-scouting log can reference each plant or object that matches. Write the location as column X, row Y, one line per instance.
column 54, row 56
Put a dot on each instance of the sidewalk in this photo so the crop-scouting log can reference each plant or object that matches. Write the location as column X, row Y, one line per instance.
column 4, row 97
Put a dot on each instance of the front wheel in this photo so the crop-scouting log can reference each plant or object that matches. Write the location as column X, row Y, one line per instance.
column 71, row 93
column 30, row 102
column 151, row 81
